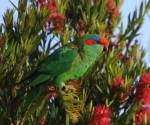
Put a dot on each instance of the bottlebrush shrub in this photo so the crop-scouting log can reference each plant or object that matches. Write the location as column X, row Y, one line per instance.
column 114, row 90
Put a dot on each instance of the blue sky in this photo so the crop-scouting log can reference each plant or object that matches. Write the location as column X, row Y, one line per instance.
column 128, row 6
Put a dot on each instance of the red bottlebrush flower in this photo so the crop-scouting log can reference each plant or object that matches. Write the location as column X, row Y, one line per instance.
column 41, row 2
column 102, row 116
column 104, row 42
column 142, row 96
column 59, row 26
column 56, row 17
column 142, row 99
column 43, row 120
column 53, row 94
column 52, row 7
column 57, row 20
column 110, row 5
column 115, row 12
column 146, row 97
column 93, row 123
column 102, row 110
column 118, row 81
column 142, row 115
column 145, row 79
column 90, row 42
column 105, row 121
column 51, row 88
column 139, row 118
column 112, row 8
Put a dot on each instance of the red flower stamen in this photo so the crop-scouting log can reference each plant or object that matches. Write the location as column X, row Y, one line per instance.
column 102, row 116
column 118, row 81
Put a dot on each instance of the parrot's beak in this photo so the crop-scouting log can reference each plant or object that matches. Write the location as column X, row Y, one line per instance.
column 103, row 42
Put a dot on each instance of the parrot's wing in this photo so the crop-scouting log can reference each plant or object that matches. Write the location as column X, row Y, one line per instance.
column 57, row 63
column 80, row 66
column 41, row 78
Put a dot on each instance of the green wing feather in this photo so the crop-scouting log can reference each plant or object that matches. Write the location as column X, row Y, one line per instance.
column 55, row 64
column 58, row 62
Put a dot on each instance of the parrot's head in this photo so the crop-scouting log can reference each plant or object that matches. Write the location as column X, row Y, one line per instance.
column 92, row 39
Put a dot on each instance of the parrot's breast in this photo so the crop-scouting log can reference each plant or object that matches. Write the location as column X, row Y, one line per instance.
column 80, row 66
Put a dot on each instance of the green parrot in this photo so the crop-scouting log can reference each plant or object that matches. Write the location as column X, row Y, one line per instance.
column 66, row 64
